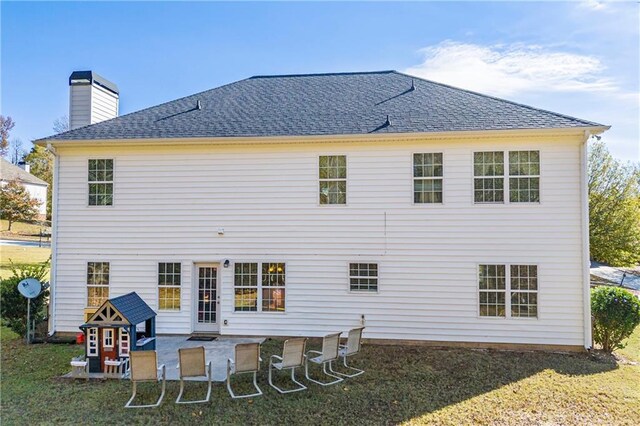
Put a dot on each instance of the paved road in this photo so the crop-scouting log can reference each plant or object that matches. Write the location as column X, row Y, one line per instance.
column 23, row 243
column 615, row 275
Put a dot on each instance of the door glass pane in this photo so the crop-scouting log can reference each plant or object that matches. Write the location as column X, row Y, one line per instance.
column 207, row 295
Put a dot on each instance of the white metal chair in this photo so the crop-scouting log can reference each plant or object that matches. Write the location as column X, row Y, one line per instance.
column 192, row 364
column 144, row 368
column 329, row 354
column 292, row 358
column 246, row 360
column 354, row 342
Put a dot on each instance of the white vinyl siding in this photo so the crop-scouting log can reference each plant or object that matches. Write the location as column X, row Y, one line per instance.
column 172, row 199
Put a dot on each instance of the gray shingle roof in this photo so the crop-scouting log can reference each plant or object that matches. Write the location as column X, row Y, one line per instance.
column 324, row 104
column 10, row 171
column 134, row 309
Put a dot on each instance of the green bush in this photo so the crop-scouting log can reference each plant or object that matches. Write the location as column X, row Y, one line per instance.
column 616, row 313
column 13, row 305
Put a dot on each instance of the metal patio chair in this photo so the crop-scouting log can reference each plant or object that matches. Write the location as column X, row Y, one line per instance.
column 144, row 368
column 192, row 364
column 354, row 342
column 246, row 360
column 329, row 354
column 292, row 358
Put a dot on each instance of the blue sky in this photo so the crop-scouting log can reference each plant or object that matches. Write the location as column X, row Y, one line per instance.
column 577, row 58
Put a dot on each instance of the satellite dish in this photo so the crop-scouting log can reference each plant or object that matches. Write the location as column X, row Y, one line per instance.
column 30, row 288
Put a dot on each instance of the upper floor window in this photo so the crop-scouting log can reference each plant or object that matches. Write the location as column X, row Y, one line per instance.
column 169, row 280
column 259, row 285
column 524, row 176
column 363, row 277
column 332, row 174
column 490, row 183
column 509, row 291
column 427, row 178
column 97, row 283
column 101, row 182
column 488, row 172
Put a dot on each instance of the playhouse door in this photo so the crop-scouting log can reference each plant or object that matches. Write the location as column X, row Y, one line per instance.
column 207, row 299
column 108, row 345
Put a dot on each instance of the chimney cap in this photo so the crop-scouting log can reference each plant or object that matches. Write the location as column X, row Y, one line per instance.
column 89, row 77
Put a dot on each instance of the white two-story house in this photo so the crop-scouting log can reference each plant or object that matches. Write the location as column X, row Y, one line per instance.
column 300, row 205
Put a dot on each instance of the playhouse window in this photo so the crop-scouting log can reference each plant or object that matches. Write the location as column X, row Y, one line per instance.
column 92, row 342
column 107, row 338
column 97, row 283
column 169, row 280
column 124, row 342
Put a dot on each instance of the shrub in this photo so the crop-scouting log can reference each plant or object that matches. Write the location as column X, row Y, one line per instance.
column 616, row 313
column 13, row 305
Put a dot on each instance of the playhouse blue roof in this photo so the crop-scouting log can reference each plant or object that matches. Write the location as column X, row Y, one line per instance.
column 133, row 308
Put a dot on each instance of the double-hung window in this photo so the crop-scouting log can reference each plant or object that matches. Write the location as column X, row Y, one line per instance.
column 488, row 172
column 92, row 341
column 332, row 173
column 169, row 281
column 97, row 283
column 490, row 177
column 508, row 291
column 259, row 287
column 524, row 176
column 363, row 277
column 427, row 178
column 100, row 182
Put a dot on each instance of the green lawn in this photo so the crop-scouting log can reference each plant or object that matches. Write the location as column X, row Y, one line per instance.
column 21, row 231
column 20, row 255
column 403, row 384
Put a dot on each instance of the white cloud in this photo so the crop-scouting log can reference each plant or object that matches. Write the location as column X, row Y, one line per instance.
column 594, row 5
column 504, row 70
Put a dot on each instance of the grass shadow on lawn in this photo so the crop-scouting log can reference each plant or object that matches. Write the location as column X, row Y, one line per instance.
column 401, row 383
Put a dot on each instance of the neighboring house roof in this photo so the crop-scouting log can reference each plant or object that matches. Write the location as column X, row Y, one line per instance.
column 132, row 307
column 324, row 104
column 10, row 171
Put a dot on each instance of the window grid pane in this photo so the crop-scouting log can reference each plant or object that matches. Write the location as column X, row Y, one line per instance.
column 524, row 291
column 245, row 282
column 524, row 172
column 492, row 283
column 272, row 299
column 169, row 281
column 100, row 182
column 488, row 171
column 332, row 173
column 97, row 283
column 363, row 277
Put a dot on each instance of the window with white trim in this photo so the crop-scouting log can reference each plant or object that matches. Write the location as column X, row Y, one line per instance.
column 107, row 337
column 97, row 283
column 100, row 182
column 363, row 277
column 508, row 291
column 245, row 284
column 524, row 176
column 259, row 286
column 332, row 173
column 124, row 342
column 169, row 282
column 427, row 178
column 488, row 181
column 92, row 341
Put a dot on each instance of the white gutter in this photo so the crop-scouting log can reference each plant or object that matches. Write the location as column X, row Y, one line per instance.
column 54, row 239
column 584, row 217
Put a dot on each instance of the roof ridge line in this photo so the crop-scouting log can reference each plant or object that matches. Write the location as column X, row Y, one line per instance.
column 592, row 123
column 325, row 74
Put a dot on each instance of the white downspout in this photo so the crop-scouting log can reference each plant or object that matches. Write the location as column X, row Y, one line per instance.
column 54, row 239
column 584, row 197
